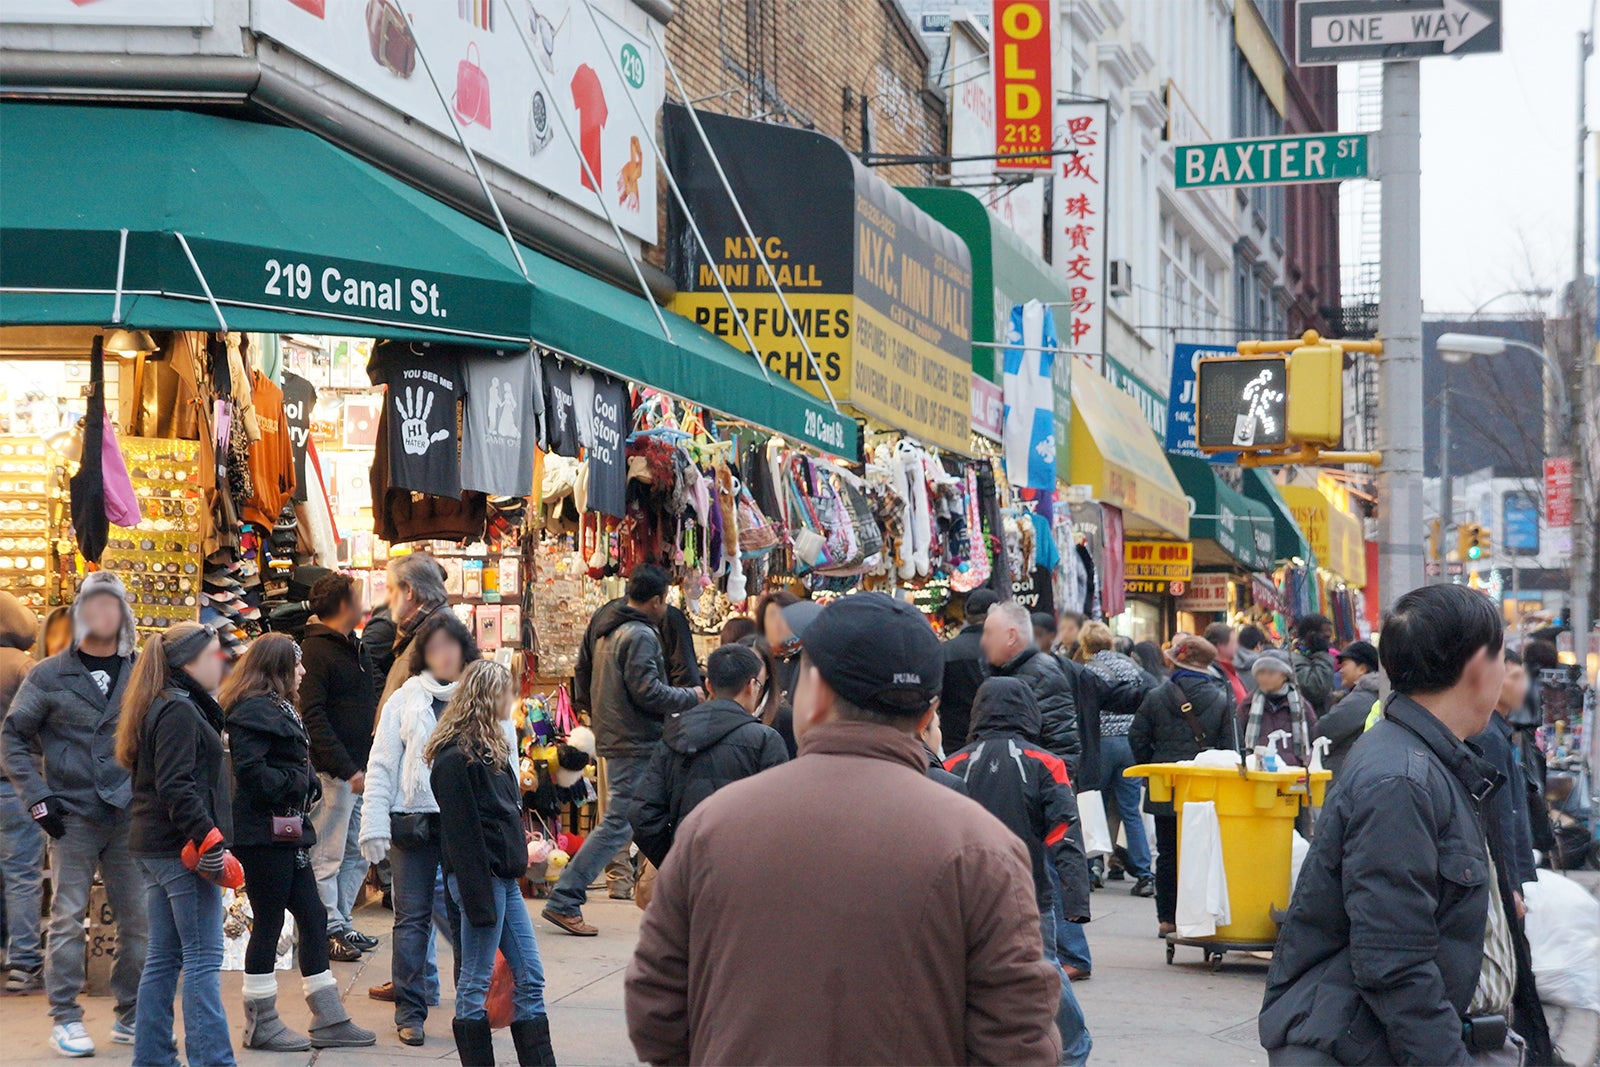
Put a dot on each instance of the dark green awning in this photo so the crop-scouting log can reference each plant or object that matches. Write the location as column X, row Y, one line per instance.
column 1005, row 271
column 1289, row 541
column 1243, row 529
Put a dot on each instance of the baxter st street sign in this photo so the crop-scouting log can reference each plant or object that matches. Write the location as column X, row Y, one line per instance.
column 1347, row 31
column 1329, row 157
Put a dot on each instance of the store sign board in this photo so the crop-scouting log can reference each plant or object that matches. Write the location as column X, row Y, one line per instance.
column 1205, row 592
column 1558, row 491
column 511, row 106
column 1521, row 526
column 1023, row 95
column 988, row 409
column 1168, row 561
column 881, row 292
column 1078, row 213
column 972, row 107
column 1151, row 403
column 112, row 12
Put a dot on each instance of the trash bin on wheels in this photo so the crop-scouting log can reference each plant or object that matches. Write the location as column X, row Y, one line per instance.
column 1256, row 812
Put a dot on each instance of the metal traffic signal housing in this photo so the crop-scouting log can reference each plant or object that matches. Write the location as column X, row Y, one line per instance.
column 1473, row 542
column 1277, row 402
column 1435, row 548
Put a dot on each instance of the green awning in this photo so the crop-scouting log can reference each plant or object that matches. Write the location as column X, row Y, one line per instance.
column 1288, row 541
column 1228, row 528
column 615, row 331
column 294, row 235
column 1005, row 271
column 279, row 221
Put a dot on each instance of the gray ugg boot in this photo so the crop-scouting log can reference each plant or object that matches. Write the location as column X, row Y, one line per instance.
column 330, row 1023
column 532, row 1038
column 264, row 1030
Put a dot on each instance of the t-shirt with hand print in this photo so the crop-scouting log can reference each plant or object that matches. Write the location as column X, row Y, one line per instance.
column 105, row 670
column 423, row 388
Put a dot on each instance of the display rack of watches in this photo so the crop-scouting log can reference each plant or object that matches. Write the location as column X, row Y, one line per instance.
column 26, row 497
column 160, row 561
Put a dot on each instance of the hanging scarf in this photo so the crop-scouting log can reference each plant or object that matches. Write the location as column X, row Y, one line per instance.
column 416, row 727
column 1300, row 735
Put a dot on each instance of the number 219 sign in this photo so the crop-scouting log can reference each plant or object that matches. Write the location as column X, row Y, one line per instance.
column 1023, row 95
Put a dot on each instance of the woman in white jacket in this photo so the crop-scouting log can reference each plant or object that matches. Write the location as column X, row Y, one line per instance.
column 400, row 818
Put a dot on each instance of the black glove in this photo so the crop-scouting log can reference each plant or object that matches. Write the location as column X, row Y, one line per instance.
column 51, row 816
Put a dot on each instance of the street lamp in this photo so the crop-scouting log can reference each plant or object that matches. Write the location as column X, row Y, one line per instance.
column 1459, row 348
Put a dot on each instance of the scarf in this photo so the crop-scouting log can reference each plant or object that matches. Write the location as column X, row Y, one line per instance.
column 203, row 701
column 416, row 726
column 1300, row 736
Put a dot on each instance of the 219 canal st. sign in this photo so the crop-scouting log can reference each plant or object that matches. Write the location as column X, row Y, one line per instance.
column 881, row 292
column 1329, row 157
column 1349, row 31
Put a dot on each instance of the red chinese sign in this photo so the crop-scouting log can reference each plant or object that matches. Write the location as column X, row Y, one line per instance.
column 1558, row 492
column 1023, row 92
column 1078, row 220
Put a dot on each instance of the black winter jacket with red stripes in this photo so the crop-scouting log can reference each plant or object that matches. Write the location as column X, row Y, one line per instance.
column 1027, row 788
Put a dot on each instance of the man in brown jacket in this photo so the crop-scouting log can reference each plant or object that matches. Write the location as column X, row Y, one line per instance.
column 810, row 885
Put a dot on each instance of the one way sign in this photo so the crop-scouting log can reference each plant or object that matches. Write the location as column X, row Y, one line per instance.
column 1347, row 31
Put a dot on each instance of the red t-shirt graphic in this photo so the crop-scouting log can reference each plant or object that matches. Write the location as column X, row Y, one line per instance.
column 590, row 100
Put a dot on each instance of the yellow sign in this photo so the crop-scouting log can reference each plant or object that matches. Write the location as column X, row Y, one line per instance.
column 1335, row 536
column 1115, row 452
column 1169, row 561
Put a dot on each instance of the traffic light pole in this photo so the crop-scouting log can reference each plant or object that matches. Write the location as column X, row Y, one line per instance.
column 1447, row 489
column 1401, row 523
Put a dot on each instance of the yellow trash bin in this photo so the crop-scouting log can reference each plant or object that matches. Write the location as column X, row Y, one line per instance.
column 1256, row 811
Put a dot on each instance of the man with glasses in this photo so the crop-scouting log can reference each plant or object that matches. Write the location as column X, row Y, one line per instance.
column 705, row 748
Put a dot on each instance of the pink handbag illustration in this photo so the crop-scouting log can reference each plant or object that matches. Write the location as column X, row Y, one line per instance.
column 318, row 8
column 472, row 90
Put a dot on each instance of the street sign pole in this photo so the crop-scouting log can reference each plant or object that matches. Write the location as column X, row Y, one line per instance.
column 1400, row 549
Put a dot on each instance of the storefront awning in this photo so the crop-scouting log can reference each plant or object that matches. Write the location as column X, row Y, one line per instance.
column 1115, row 452
column 880, row 292
column 1289, row 542
column 1005, row 271
column 1228, row 528
column 278, row 222
column 293, row 235
column 1335, row 536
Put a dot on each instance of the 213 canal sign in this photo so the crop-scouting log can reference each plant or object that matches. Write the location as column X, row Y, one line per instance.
column 1331, row 157
column 1347, row 31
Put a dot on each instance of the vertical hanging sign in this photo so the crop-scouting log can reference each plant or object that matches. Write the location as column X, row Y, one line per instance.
column 1023, row 90
column 1078, row 215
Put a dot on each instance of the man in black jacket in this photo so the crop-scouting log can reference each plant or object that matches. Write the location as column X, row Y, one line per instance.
column 705, row 748
column 1399, row 946
column 1026, row 788
column 630, row 695
column 339, row 703
column 964, row 669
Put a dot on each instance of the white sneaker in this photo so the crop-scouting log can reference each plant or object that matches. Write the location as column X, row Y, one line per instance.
column 121, row 1032
column 71, row 1040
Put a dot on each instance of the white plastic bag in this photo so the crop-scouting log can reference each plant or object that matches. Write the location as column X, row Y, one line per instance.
column 1297, row 856
column 1202, row 880
column 1096, row 833
column 1563, row 928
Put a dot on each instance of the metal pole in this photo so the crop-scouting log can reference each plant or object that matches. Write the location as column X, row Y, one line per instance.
column 1582, row 535
column 1400, row 325
column 1447, row 495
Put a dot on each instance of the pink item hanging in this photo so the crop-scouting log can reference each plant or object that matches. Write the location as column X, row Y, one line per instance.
column 122, row 506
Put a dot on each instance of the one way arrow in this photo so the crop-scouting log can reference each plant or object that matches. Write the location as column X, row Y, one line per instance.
column 1331, row 31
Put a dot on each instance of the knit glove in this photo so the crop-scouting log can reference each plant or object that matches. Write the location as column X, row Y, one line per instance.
column 51, row 816
column 211, row 861
column 375, row 850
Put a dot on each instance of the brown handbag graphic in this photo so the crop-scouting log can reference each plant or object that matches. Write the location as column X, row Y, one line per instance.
column 389, row 37
column 471, row 97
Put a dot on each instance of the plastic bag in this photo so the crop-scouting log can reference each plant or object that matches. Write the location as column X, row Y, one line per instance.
column 498, row 1004
column 1563, row 928
column 1096, row 833
column 1297, row 856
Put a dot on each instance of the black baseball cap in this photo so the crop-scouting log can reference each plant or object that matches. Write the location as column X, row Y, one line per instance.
column 876, row 652
column 1363, row 652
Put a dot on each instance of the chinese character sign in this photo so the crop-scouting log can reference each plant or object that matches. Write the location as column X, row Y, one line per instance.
column 1022, row 86
column 1078, row 213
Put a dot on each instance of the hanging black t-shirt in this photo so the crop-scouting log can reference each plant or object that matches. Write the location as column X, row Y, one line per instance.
column 561, row 424
column 605, row 417
column 424, row 388
column 105, row 670
column 299, row 397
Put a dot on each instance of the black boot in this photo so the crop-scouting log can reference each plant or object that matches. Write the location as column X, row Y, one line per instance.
column 474, row 1042
column 532, row 1039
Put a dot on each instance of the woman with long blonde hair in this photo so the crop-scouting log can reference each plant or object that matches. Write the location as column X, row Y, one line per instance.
column 170, row 739
column 485, row 853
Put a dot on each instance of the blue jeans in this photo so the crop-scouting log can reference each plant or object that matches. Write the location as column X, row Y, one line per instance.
column 615, row 832
column 22, row 875
column 512, row 934
column 418, row 913
column 185, row 913
column 97, row 841
column 1075, row 1041
column 1071, row 943
column 1116, row 756
column 336, row 857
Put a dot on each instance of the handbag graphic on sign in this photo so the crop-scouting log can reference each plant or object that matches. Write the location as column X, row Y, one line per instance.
column 472, row 90
column 389, row 38
column 318, row 8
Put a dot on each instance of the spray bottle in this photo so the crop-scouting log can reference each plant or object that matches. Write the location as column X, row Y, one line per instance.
column 1272, row 762
column 1319, row 748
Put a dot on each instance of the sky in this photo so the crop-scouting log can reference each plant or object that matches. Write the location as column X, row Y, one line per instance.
column 1498, row 162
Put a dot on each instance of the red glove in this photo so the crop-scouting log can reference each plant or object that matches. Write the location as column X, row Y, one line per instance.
column 213, row 862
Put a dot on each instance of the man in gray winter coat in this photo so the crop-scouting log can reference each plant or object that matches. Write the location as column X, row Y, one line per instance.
column 1344, row 725
column 63, row 720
